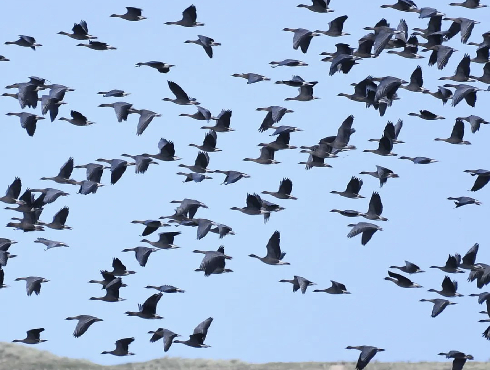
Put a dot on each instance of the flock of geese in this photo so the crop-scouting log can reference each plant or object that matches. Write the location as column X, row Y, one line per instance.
column 39, row 99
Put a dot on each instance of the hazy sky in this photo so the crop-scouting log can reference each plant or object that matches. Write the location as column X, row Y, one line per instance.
column 256, row 318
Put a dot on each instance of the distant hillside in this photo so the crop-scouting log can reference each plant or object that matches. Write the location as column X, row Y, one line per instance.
column 19, row 357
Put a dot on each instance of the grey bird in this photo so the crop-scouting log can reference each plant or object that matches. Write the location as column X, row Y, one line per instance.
column 274, row 254
column 470, row 4
column 482, row 178
column 288, row 63
column 460, row 24
column 13, row 192
column 299, row 283
column 317, row 6
column 50, row 243
column 209, row 143
column 302, row 38
column 222, row 230
column 416, row 81
column 122, row 348
column 4, row 257
column 114, row 93
column 84, row 322
column 442, row 93
column 474, row 121
column 132, row 14
column 401, row 280
column 94, row 171
column 427, row 115
column 352, row 190
column 440, row 55
column 469, row 259
column 457, row 134
column 122, row 109
column 167, row 335
column 33, row 337
column 118, row 167
column 26, row 41
column 375, row 208
column 213, row 262
column 27, row 121
column 481, row 273
column 336, row 288
column 159, row 66
column 335, row 27
column 187, row 209
column 64, row 174
column 463, row 201
column 274, row 115
column 452, row 264
column 119, row 269
column 251, row 77
column 284, row 192
column 166, row 288
column 141, row 162
column 108, row 278
column 266, row 156
column 181, row 97
column 193, row 176
column 80, row 32
column 206, row 42
column 232, row 176
column 462, row 73
column 200, row 164
column 381, row 173
column 463, row 91
column 150, row 225
column 197, row 338
column 419, row 160
column 189, row 17
column 147, row 310
column 223, row 121
column 77, row 119
column 459, row 358
column 141, row 253
column 165, row 240
column 449, row 288
column 409, row 268
column 439, row 305
column 202, row 114
column 166, row 151
column 365, row 228
column 146, row 116
column 97, row 45
column 33, row 284
column 367, row 353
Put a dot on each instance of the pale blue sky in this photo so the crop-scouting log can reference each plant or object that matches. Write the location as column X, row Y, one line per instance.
column 256, row 318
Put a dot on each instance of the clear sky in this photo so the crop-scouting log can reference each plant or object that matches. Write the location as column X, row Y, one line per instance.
column 256, row 318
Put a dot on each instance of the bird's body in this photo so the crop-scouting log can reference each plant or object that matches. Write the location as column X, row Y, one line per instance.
column 84, row 322
column 439, row 305
column 206, row 42
column 132, row 14
column 33, row 337
column 449, row 288
column 367, row 353
column 401, row 280
column 299, row 283
column 274, row 255
column 365, row 228
column 336, row 288
column 122, row 348
column 147, row 310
